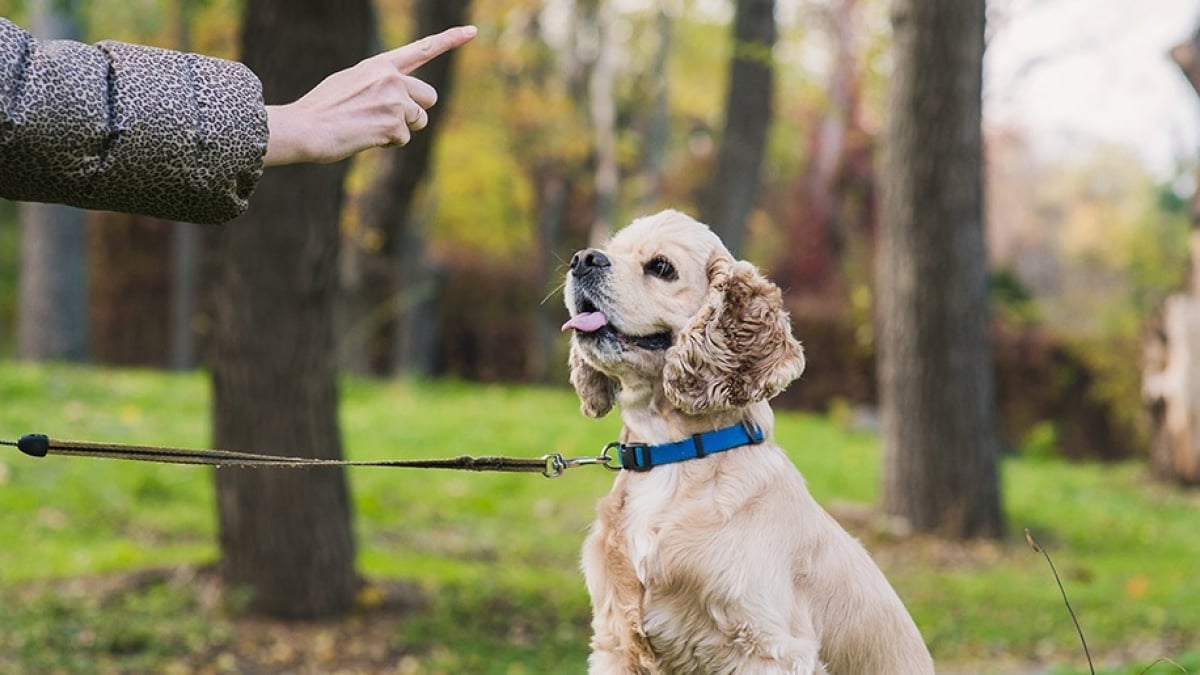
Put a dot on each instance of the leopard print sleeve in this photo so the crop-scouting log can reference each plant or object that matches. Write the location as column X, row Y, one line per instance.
column 128, row 128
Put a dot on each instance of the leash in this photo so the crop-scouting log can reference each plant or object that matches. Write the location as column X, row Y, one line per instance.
column 629, row 456
column 551, row 465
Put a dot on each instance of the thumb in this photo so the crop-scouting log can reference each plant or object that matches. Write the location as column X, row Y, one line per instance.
column 416, row 54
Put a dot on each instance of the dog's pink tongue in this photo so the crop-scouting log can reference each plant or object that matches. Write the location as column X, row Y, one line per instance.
column 587, row 322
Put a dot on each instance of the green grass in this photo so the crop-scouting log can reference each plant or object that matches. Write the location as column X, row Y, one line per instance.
column 497, row 554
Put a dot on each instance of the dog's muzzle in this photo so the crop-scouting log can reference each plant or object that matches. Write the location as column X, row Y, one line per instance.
column 587, row 267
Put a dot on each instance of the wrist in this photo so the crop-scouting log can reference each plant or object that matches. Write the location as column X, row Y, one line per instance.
column 287, row 140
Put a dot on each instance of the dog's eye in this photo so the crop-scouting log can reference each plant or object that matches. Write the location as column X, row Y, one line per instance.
column 661, row 268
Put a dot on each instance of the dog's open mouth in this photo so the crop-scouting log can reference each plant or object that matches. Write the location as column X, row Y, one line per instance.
column 590, row 321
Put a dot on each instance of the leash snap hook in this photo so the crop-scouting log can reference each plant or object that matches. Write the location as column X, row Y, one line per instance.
column 607, row 459
column 556, row 464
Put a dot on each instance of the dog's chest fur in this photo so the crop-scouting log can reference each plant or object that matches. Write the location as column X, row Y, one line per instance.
column 656, row 533
column 648, row 508
column 624, row 564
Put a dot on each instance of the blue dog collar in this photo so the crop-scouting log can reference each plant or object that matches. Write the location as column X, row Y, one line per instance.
column 643, row 457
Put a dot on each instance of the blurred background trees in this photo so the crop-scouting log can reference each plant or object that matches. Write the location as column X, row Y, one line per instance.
column 389, row 285
column 1172, row 381
column 52, row 321
column 564, row 119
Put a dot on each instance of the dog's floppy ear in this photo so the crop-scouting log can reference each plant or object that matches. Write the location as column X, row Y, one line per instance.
column 738, row 349
column 597, row 391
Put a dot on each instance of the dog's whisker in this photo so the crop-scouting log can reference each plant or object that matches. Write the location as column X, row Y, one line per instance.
column 554, row 290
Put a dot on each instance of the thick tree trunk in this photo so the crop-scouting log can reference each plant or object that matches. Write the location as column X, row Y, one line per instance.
column 394, row 290
column 749, row 106
column 286, row 535
column 940, row 441
column 52, row 310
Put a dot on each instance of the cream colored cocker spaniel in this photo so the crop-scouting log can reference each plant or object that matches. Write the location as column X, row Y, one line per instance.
column 710, row 555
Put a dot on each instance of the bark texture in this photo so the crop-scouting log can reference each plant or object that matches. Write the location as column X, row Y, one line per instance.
column 286, row 535
column 749, row 105
column 940, row 438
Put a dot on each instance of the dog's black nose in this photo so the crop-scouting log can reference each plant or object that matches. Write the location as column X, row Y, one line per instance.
column 587, row 260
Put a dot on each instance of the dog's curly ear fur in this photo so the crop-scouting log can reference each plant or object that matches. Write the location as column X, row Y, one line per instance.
column 597, row 392
column 738, row 349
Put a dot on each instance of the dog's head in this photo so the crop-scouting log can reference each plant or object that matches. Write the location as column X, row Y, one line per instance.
column 665, row 300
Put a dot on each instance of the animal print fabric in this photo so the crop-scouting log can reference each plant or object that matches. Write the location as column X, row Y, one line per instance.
column 128, row 128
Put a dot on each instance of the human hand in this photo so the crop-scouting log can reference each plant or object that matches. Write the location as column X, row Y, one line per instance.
column 371, row 104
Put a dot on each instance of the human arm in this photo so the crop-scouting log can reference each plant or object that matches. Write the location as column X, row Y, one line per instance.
column 374, row 103
column 183, row 136
column 128, row 128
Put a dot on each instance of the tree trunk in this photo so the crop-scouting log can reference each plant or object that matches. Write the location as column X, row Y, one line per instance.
column 185, row 291
column 556, row 180
column 940, row 440
column 597, row 19
column 654, row 143
column 1171, row 376
column 286, row 535
column 185, row 248
column 129, row 273
column 553, row 193
column 394, row 288
column 52, row 310
column 748, row 110
column 1171, row 388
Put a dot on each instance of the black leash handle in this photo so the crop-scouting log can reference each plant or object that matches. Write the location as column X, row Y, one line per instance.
column 40, row 445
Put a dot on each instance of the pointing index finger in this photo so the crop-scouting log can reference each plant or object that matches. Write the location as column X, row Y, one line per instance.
column 416, row 54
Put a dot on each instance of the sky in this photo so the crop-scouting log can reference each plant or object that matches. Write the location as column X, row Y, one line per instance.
column 1071, row 72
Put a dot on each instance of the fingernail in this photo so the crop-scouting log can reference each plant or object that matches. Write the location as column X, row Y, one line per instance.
column 470, row 31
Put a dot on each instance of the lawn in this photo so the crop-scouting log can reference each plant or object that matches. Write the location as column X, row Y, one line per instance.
column 103, row 565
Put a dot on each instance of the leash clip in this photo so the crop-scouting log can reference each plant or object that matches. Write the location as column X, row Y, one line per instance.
column 556, row 464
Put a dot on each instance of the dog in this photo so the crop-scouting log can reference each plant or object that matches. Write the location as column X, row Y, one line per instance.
column 709, row 555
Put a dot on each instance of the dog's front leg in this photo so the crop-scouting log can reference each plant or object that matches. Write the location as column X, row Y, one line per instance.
column 619, row 644
column 612, row 655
